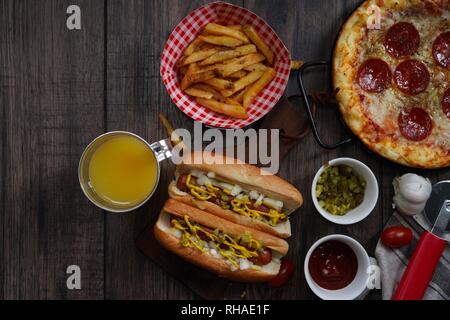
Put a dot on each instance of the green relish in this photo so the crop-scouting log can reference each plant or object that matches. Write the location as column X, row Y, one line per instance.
column 340, row 189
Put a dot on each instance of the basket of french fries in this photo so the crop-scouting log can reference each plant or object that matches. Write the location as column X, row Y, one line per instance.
column 224, row 66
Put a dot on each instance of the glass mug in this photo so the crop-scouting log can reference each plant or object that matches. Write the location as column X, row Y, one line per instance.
column 119, row 171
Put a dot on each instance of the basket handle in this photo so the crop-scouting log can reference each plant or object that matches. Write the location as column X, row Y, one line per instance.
column 308, row 107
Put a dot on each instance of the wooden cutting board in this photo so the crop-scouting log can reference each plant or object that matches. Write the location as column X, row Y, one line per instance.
column 203, row 283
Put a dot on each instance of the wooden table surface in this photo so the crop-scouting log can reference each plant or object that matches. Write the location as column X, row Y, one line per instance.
column 59, row 89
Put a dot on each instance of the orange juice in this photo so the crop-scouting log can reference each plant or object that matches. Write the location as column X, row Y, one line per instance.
column 123, row 171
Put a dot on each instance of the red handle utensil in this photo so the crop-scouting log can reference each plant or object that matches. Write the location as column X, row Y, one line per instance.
column 430, row 247
column 420, row 269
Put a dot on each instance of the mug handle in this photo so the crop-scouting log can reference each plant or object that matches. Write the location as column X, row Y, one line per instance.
column 162, row 149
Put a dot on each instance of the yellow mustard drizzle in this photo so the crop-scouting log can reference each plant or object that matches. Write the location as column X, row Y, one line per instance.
column 211, row 188
column 186, row 240
column 235, row 250
column 239, row 206
column 198, row 192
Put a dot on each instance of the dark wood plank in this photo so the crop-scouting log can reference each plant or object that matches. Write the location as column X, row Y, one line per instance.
column 296, row 23
column 137, row 32
column 51, row 82
column 3, row 90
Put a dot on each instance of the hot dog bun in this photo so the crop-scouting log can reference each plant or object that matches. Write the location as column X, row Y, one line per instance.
column 208, row 261
column 248, row 177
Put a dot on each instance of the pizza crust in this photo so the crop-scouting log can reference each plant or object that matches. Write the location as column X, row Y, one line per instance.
column 383, row 137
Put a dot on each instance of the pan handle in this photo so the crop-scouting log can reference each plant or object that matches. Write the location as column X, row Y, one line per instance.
column 309, row 108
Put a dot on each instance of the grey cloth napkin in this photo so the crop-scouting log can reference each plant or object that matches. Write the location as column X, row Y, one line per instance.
column 393, row 262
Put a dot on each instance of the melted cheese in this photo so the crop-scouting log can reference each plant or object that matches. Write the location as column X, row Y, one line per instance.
column 365, row 113
column 430, row 99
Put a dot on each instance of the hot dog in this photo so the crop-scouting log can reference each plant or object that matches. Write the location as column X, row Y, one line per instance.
column 227, row 249
column 238, row 193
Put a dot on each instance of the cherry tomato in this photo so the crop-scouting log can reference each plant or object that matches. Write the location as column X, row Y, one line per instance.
column 397, row 237
column 181, row 183
column 285, row 273
column 264, row 257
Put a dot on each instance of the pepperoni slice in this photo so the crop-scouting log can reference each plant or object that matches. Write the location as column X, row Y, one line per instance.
column 374, row 75
column 415, row 124
column 446, row 103
column 412, row 77
column 441, row 50
column 402, row 40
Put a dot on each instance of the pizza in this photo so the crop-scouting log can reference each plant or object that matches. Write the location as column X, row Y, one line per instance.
column 392, row 81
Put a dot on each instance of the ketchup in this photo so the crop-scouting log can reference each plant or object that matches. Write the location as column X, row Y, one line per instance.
column 333, row 265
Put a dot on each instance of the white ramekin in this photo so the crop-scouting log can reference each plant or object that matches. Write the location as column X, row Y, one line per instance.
column 370, row 195
column 357, row 287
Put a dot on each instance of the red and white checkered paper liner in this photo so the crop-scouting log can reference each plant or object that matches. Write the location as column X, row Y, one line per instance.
column 187, row 31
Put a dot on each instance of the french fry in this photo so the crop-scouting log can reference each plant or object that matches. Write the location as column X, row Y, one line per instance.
column 242, row 83
column 174, row 138
column 256, row 39
column 235, row 27
column 214, row 28
column 258, row 86
column 206, row 46
column 193, row 47
column 246, row 49
column 202, row 75
column 198, row 93
column 229, row 54
column 231, row 101
column 238, row 64
column 223, row 41
column 220, row 56
column 197, row 56
column 296, row 64
column 212, row 67
column 239, row 96
column 187, row 82
column 239, row 74
column 207, row 88
column 231, row 110
column 256, row 66
column 224, row 69
column 220, row 84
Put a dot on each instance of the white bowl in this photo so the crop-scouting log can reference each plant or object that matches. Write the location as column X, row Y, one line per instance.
column 370, row 195
column 357, row 287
